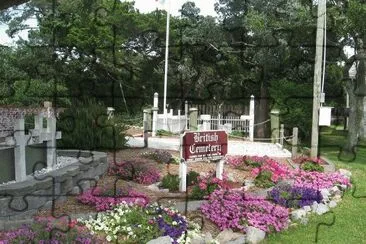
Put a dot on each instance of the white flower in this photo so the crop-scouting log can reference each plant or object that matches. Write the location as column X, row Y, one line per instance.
column 174, row 223
column 129, row 228
column 109, row 238
column 130, row 233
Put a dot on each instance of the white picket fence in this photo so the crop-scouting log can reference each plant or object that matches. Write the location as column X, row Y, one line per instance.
column 180, row 122
column 173, row 123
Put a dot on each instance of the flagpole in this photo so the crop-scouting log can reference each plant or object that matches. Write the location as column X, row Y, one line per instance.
column 166, row 62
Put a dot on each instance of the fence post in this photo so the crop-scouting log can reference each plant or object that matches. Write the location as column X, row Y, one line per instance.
column 155, row 113
column 275, row 125
column 206, row 121
column 19, row 150
column 179, row 122
column 193, row 116
column 282, row 134
column 186, row 113
column 251, row 121
column 147, row 118
column 294, row 141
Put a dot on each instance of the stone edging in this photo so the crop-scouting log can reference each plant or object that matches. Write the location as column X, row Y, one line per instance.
column 20, row 201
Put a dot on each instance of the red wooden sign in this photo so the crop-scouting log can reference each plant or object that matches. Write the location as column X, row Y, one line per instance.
column 204, row 145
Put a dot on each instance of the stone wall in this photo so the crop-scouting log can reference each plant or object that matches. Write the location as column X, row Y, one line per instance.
column 20, row 201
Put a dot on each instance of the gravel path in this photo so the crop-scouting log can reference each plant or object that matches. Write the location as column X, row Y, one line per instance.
column 234, row 147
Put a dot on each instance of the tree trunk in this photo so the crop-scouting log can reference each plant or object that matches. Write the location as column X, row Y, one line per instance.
column 357, row 91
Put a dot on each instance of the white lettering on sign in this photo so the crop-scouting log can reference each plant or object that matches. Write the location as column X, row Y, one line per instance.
column 212, row 149
column 205, row 137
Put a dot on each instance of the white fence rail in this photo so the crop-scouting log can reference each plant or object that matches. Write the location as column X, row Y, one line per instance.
column 179, row 123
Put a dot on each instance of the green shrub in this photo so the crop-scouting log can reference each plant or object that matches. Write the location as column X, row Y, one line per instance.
column 311, row 166
column 86, row 126
column 263, row 179
column 170, row 182
column 192, row 178
column 199, row 194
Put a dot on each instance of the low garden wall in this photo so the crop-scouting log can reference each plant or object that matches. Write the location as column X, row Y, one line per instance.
column 21, row 200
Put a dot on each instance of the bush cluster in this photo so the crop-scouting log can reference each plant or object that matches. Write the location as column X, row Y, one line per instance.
column 207, row 184
column 87, row 127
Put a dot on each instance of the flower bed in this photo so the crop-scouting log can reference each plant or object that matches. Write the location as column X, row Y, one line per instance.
column 49, row 230
column 237, row 210
column 294, row 196
column 318, row 180
column 103, row 199
column 130, row 223
column 141, row 171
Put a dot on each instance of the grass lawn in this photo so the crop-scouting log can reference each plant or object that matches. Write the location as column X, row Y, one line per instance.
column 347, row 222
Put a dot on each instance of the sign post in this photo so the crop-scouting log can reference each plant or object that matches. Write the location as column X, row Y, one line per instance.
column 202, row 145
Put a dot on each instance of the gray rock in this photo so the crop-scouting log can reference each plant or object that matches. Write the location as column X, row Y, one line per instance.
column 332, row 204
column 345, row 172
column 343, row 187
column 239, row 240
column 228, row 235
column 307, row 208
column 325, row 193
column 304, row 221
column 314, row 206
column 298, row 214
column 337, row 198
column 198, row 239
column 249, row 183
column 230, row 177
column 191, row 205
column 335, row 190
column 160, row 240
column 75, row 190
column 321, row 209
column 255, row 235
column 153, row 187
column 208, row 237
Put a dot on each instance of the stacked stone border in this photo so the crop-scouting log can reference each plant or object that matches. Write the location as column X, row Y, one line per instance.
column 21, row 200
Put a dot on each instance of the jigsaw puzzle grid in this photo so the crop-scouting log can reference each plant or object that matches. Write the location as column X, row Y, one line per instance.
column 115, row 97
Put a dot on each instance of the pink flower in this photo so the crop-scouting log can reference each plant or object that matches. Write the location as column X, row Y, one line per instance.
column 202, row 186
column 255, row 172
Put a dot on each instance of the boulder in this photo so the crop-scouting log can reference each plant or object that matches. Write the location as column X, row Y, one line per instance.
column 307, row 208
column 255, row 235
column 228, row 235
column 321, row 209
column 343, row 187
column 153, row 187
column 239, row 240
column 208, row 237
column 325, row 193
column 198, row 239
column 314, row 206
column 161, row 240
column 345, row 172
column 304, row 221
column 332, row 204
column 298, row 214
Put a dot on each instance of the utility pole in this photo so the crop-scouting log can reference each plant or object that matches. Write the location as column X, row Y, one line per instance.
column 317, row 77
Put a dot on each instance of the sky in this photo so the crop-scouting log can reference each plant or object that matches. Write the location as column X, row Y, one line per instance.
column 206, row 6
